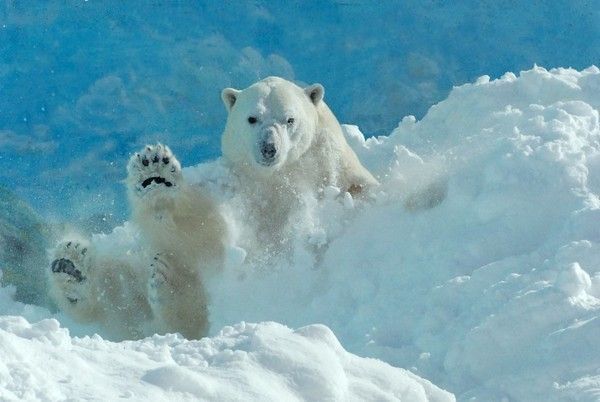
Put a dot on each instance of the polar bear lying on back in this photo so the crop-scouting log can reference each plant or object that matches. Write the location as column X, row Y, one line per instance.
column 280, row 141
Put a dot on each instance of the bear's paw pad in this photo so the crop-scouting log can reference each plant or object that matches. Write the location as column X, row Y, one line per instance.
column 154, row 167
column 69, row 268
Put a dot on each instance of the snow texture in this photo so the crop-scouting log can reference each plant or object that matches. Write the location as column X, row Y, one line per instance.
column 247, row 362
column 478, row 264
column 475, row 266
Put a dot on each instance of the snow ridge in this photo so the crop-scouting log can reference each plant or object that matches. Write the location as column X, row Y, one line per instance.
column 250, row 362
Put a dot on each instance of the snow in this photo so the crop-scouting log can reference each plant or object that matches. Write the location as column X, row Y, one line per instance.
column 250, row 362
column 487, row 284
column 475, row 265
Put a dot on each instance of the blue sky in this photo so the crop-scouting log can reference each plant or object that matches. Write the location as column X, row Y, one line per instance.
column 85, row 83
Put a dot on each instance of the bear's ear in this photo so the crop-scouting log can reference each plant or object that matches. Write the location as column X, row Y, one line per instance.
column 229, row 96
column 315, row 92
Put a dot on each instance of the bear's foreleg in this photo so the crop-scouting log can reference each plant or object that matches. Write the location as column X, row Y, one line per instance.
column 186, row 230
column 177, row 297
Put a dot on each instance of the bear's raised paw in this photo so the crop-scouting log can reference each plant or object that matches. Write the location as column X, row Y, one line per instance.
column 154, row 167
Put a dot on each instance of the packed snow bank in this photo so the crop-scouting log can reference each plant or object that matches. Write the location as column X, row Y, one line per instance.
column 247, row 362
column 488, row 283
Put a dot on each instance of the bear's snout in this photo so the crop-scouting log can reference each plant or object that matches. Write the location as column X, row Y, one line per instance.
column 268, row 147
column 268, row 150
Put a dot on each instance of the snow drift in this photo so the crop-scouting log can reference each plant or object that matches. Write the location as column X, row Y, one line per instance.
column 248, row 362
column 488, row 283
column 476, row 266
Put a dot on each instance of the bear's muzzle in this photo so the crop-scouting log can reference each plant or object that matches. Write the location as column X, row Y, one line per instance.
column 268, row 148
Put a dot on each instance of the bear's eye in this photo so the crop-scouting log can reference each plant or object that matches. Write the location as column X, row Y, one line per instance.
column 291, row 121
column 252, row 120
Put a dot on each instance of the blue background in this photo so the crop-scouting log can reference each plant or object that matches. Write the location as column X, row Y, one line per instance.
column 85, row 83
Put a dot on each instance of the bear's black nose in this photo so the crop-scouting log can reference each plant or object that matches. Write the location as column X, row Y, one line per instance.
column 268, row 150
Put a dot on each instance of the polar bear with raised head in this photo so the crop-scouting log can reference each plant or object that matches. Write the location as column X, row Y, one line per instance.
column 280, row 141
column 277, row 129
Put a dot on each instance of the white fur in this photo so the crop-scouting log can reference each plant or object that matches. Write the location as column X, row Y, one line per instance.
column 313, row 149
column 160, row 288
column 295, row 147
column 112, row 292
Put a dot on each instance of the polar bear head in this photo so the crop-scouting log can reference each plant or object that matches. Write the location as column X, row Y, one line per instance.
column 270, row 124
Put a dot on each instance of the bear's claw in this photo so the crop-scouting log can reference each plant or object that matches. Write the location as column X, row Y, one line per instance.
column 158, row 280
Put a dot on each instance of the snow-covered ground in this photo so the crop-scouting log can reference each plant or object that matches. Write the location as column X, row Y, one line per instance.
column 476, row 266
column 247, row 362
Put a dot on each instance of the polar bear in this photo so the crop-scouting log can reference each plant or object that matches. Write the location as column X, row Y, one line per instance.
column 274, row 126
column 280, row 141
column 283, row 141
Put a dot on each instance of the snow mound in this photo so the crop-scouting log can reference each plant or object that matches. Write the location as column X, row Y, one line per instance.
column 478, row 265
column 249, row 362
